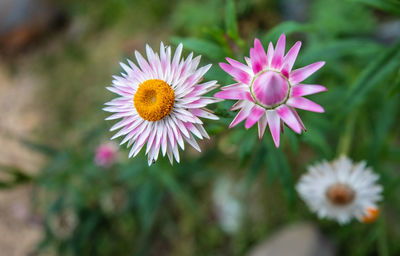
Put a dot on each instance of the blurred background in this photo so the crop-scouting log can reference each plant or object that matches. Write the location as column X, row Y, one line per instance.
column 65, row 189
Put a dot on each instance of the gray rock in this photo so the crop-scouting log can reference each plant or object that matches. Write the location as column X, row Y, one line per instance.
column 301, row 239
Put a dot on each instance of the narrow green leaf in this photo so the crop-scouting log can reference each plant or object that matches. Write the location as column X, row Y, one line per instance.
column 201, row 46
column 339, row 49
column 375, row 72
column 391, row 6
column 384, row 122
column 149, row 199
column 231, row 20
column 278, row 164
column 396, row 86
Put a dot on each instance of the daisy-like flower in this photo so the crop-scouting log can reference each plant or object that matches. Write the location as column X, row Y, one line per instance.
column 160, row 103
column 267, row 89
column 341, row 190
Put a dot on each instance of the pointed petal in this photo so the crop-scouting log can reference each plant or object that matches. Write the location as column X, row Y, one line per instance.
column 236, row 73
column 255, row 114
column 306, row 89
column 270, row 53
column 290, row 58
column 258, row 57
column 262, row 124
column 235, row 94
column 277, row 59
column 274, row 123
column 299, row 75
column 303, row 127
column 306, row 104
column 243, row 113
column 289, row 118
column 237, row 64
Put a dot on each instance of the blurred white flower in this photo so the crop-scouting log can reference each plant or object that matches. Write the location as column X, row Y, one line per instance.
column 114, row 201
column 340, row 190
column 63, row 223
column 228, row 207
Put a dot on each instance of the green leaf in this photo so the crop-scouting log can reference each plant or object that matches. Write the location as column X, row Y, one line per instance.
column 201, row 46
column 279, row 165
column 288, row 28
column 338, row 49
column 383, row 123
column 396, row 86
column 231, row 20
column 16, row 177
column 149, row 202
column 391, row 6
column 372, row 76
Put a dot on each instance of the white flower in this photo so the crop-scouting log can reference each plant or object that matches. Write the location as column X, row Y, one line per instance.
column 340, row 190
column 161, row 102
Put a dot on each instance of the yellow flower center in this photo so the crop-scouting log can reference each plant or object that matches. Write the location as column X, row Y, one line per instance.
column 154, row 99
column 340, row 194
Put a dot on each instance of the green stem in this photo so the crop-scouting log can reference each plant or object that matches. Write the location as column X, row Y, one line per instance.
column 346, row 138
column 383, row 248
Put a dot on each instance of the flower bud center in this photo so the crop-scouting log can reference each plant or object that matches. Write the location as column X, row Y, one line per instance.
column 340, row 194
column 270, row 89
column 154, row 99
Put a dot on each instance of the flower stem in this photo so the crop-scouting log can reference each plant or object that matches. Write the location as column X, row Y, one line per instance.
column 346, row 138
column 383, row 249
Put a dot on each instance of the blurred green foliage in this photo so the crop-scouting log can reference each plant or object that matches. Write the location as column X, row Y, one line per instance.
column 131, row 209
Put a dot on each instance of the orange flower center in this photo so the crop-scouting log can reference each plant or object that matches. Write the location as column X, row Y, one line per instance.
column 340, row 194
column 371, row 216
column 154, row 99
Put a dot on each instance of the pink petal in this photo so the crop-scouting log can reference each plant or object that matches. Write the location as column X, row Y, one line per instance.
column 290, row 58
column 270, row 53
column 303, row 73
column 306, row 89
column 243, row 113
column 258, row 57
column 262, row 124
column 289, row 118
column 298, row 119
column 145, row 67
column 255, row 114
column 277, row 59
column 306, row 104
column 274, row 123
column 239, row 65
column 237, row 74
column 234, row 94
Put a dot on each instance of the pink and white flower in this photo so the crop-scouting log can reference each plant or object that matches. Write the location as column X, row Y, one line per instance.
column 268, row 90
column 160, row 102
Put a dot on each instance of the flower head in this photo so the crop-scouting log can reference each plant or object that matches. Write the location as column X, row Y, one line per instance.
column 106, row 154
column 341, row 190
column 267, row 89
column 160, row 102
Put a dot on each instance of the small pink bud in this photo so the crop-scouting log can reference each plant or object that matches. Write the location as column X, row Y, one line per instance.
column 106, row 154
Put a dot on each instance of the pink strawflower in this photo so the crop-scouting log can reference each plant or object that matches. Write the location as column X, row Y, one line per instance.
column 267, row 89
column 160, row 103
column 106, row 154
